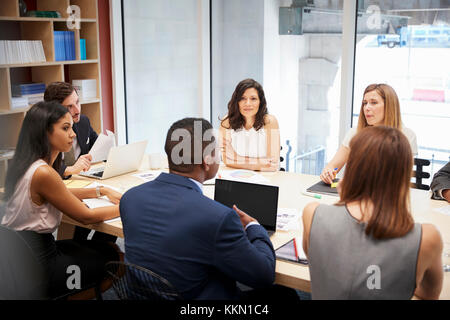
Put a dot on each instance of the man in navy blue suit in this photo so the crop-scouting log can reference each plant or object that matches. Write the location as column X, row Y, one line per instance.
column 199, row 245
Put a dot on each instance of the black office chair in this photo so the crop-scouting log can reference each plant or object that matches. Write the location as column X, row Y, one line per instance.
column 21, row 275
column 286, row 157
column 132, row 282
column 419, row 174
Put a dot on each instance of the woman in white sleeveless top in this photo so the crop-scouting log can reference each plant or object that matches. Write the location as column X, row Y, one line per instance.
column 35, row 198
column 380, row 106
column 250, row 136
column 367, row 245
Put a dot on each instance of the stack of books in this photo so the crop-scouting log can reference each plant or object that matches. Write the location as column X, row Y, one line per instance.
column 64, row 45
column 27, row 93
column 86, row 88
column 21, row 51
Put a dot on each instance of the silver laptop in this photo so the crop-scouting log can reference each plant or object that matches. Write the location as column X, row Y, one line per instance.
column 121, row 160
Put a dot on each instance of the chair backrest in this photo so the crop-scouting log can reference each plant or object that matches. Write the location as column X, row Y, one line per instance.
column 21, row 275
column 285, row 166
column 132, row 282
column 419, row 174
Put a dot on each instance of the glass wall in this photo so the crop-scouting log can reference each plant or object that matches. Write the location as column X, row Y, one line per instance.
column 296, row 61
column 406, row 44
column 162, row 41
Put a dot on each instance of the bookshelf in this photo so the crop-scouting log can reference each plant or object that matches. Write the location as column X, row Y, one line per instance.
column 15, row 27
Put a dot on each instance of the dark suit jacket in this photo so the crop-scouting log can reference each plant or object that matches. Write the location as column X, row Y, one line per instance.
column 441, row 180
column 86, row 137
column 196, row 243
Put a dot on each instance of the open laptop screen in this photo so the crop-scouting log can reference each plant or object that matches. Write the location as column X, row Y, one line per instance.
column 257, row 200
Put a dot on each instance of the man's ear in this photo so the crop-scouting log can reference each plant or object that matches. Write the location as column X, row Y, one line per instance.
column 207, row 162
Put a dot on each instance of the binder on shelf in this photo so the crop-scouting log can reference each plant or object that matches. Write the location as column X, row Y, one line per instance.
column 83, row 49
column 69, row 45
column 60, row 54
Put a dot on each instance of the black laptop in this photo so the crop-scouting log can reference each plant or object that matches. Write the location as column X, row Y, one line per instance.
column 257, row 200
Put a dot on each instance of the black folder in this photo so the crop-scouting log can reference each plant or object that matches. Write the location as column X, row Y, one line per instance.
column 323, row 188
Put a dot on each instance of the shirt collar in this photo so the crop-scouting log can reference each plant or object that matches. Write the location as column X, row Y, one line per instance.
column 200, row 186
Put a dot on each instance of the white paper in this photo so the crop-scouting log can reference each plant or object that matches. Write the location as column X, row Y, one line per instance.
column 288, row 219
column 243, row 176
column 101, row 147
column 98, row 202
column 444, row 210
column 147, row 175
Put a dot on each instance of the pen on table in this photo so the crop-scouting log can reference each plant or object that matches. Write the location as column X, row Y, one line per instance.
column 295, row 249
column 317, row 196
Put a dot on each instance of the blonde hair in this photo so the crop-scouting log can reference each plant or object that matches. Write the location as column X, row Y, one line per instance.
column 392, row 115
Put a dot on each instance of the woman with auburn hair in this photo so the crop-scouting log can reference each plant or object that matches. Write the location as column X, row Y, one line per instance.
column 367, row 246
column 35, row 198
column 250, row 135
column 380, row 106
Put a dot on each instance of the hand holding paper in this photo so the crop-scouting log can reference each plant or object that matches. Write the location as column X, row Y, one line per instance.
column 100, row 149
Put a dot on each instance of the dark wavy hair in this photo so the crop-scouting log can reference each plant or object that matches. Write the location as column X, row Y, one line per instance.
column 235, row 118
column 58, row 91
column 33, row 143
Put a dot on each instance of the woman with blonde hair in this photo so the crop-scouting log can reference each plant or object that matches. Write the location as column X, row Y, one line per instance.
column 367, row 246
column 250, row 135
column 380, row 106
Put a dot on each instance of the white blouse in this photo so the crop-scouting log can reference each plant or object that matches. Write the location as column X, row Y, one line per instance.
column 406, row 131
column 249, row 143
column 21, row 213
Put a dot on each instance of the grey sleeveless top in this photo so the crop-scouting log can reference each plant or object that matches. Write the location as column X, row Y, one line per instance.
column 345, row 263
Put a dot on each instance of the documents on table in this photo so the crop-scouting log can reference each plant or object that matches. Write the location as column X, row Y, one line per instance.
column 100, row 149
column 288, row 219
column 98, row 202
column 147, row 175
column 444, row 210
column 243, row 176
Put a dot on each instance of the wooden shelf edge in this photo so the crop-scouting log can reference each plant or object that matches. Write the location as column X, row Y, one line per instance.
column 13, row 111
column 89, row 101
column 45, row 64
column 6, row 18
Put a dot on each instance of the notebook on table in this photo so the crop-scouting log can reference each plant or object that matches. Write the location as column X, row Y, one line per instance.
column 121, row 160
column 257, row 200
column 323, row 188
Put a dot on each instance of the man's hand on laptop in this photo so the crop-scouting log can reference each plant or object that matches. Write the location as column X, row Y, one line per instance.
column 112, row 195
column 245, row 218
column 83, row 164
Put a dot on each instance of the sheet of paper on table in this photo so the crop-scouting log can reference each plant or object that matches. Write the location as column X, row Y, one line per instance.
column 288, row 219
column 147, row 175
column 444, row 210
column 243, row 176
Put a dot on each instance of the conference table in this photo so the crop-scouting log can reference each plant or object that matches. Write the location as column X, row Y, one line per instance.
column 291, row 188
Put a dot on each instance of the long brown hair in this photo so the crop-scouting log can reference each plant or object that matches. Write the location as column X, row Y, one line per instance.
column 235, row 118
column 379, row 170
column 392, row 115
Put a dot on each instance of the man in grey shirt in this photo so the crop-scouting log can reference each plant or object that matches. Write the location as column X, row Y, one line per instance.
column 441, row 184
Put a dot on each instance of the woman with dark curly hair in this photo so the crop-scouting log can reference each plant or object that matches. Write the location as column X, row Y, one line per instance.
column 250, row 135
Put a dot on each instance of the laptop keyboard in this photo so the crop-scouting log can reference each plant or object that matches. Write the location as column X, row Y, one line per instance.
column 98, row 174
